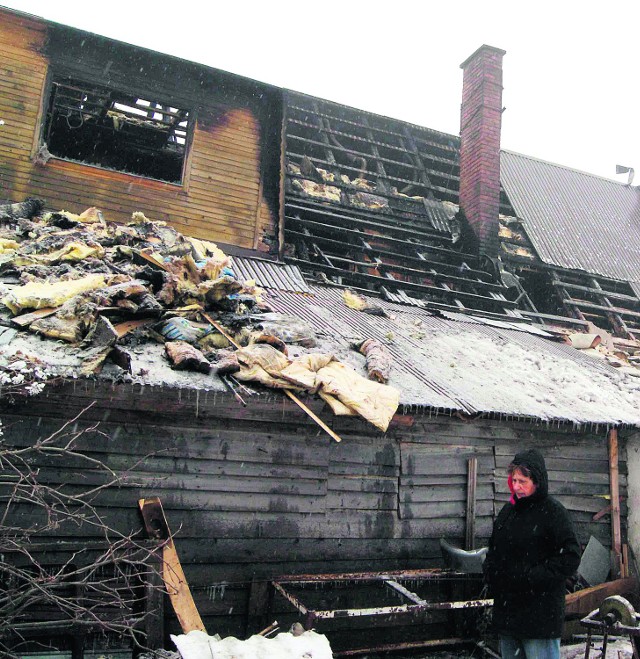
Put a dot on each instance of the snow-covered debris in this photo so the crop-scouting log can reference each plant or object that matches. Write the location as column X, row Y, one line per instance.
column 308, row 645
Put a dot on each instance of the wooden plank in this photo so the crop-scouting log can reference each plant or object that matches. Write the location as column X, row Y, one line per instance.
column 470, row 513
column 216, row 444
column 258, row 606
column 366, row 452
column 377, row 525
column 587, row 504
column 564, row 464
column 569, row 488
column 273, row 550
column 578, row 479
column 368, row 470
column 582, row 602
column 415, row 482
column 616, row 537
column 194, row 524
column 362, row 500
column 362, row 483
column 174, row 480
column 440, row 493
column 596, row 450
column 25, row 319
column 172, row 572
column 221, row 501
column 442, row 509
column 443, row 464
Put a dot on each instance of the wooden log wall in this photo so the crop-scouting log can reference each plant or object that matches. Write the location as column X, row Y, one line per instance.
column 229, row 193
column 259, row 491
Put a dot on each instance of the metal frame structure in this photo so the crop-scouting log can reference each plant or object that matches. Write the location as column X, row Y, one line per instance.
column 412, row 605
column 594, row 622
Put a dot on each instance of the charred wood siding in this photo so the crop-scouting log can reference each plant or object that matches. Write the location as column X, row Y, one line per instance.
column 252, row 493
column 225, row 195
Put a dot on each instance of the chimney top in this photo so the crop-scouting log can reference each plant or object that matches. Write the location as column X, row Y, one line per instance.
column 489, row 49
column 480, row 122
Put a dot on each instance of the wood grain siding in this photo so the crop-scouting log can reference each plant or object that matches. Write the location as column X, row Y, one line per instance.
column 23, row 69
column 255, row 492
column 225, row 175
column 222, row 196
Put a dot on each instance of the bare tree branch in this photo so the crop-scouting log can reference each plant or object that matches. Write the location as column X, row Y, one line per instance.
column 81, row 590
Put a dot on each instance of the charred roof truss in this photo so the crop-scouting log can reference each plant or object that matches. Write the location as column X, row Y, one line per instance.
column 371, row 203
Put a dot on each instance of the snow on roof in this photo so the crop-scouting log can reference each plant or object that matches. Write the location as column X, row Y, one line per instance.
column 476, row 367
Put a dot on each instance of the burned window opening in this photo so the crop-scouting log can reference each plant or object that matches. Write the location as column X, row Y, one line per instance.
column 109, row 128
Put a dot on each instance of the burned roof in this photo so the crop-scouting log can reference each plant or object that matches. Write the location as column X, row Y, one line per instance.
column 372, row 202
column 573, row 242
column 140, row 302
column 575, row 220
column 475, row 365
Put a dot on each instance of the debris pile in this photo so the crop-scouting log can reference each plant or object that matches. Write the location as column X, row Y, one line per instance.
column 105, row 289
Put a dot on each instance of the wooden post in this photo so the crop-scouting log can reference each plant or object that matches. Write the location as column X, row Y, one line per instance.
column 154, row 603
column 472, row 480
column 614, row 487
column 258, row 608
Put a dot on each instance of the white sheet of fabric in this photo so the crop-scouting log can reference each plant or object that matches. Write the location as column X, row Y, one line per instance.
column 198, row 645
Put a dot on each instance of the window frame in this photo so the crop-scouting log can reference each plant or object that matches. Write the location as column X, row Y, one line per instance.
column 55, row 76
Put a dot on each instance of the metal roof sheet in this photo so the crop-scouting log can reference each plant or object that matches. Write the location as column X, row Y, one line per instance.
column 437, row 215
column 575, row 220
column 472, row 366
column 270, row 274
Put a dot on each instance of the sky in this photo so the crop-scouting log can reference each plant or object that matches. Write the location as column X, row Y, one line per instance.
column 571, row 92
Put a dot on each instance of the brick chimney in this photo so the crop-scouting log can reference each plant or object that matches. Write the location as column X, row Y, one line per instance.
column 480, row 122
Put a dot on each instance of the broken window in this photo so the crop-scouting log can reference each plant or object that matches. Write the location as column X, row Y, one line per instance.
column 109, row 128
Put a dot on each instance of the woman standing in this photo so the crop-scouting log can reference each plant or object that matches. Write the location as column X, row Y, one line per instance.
column 532, row 551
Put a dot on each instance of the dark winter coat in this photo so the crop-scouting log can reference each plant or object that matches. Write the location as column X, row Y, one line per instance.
column 532, row 551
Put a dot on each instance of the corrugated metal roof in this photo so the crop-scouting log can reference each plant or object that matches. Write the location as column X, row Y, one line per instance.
column 574, row 219
column 472, row 366
column 437, row 215
column 492, row 322
column 270, row 275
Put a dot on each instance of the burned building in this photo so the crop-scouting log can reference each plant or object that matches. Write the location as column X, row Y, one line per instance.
column 356, row 227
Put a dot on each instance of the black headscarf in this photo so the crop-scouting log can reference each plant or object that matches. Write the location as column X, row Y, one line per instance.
column 533, row 460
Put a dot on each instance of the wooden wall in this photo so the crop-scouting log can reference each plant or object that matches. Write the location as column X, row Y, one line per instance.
column 226, row 195
column 256, row 492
